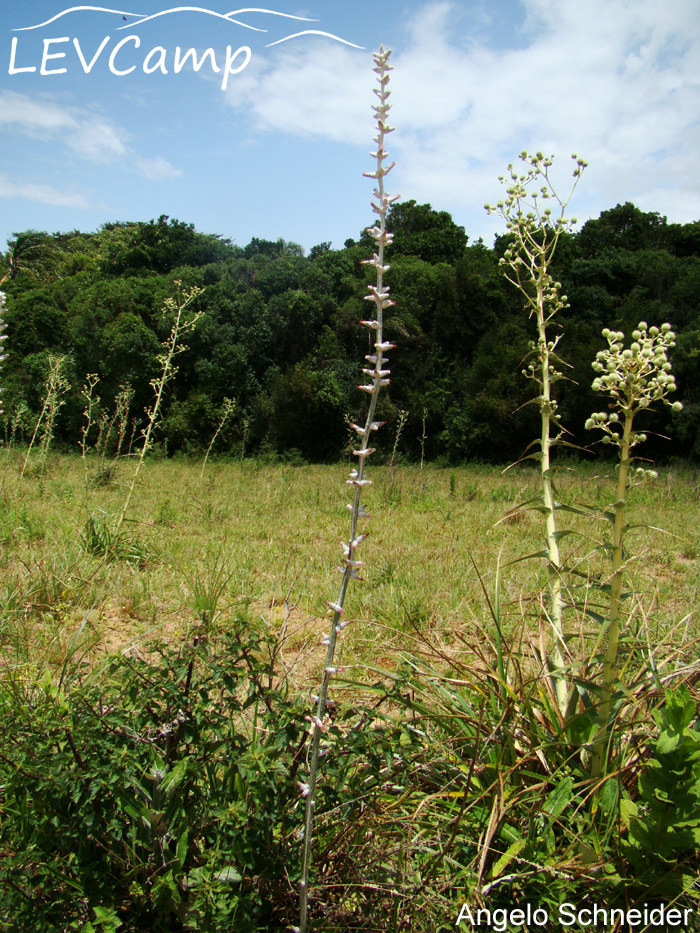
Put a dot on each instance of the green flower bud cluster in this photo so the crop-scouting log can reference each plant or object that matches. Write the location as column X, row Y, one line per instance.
column 642, row 474
column 525, row 216
column 634, row 377
column 534, row 217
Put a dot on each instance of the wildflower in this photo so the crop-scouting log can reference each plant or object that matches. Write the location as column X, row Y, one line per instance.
column 316, row 722
column 634, row 377
column 3, row 335
column 379, row 294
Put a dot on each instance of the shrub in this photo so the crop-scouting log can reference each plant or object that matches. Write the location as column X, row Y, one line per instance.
column 156, row 794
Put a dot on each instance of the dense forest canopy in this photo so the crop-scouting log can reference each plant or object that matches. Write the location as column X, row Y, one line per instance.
column 280, row 333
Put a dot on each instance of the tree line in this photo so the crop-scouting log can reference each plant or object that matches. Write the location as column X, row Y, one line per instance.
column 280, row 335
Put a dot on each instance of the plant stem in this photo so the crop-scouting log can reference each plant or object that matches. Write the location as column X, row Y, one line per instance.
column 56, row 386
column 379, row 294
column 526, row 264
column 226, row 409
column 91, row 402
column 180, row 325
column 546, row 408
column 610, row 661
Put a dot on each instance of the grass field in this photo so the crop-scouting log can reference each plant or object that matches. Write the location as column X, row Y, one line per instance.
column 269, row 537
column 444, row 781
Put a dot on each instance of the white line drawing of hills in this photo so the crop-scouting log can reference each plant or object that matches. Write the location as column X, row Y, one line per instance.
column 144, row 18
column 315, row 32
column 76, row 9
column 228, row 17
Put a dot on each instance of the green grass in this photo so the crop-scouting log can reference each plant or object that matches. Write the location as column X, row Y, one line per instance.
column 457, row 783
column 276, row 531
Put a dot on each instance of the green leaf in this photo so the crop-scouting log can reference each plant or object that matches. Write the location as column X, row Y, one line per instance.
column 560, row 797
column 560, row 507
column 108, row 917
column 181, row 852
column 511, row 852
column 609, row 795
column 596, row 616
column 560, row 535
column 175, row 776
column 528, row 557
column 667, row 742
column 228, row 875
column 628, row 811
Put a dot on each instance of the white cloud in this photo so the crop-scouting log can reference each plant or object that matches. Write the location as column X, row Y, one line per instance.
column 30, row 115
column 42, row 193
column 158, row 169
column 97, row 140
column 611, row 80
column 318, row 90
column 91, row 137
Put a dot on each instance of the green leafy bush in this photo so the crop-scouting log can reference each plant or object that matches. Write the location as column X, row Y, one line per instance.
column 664, row 823
column 157, row 794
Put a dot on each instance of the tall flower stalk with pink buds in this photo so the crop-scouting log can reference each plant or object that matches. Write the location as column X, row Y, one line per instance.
column 377, row 376
column 3, row 337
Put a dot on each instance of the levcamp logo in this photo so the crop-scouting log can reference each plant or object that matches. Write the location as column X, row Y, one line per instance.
column 124, row 56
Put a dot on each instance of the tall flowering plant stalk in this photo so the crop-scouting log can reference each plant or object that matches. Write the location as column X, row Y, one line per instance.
column 535, row 218
column 377, row 375
column 3, row 338
column 184, row 320
column 56, row 387
column 633, row 378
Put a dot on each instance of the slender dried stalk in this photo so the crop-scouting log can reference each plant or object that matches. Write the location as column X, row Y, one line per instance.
column 183, row 321
column 3, row 337
column 92, row 402
column 56, row 386
column 378, row 377
column 227, row 409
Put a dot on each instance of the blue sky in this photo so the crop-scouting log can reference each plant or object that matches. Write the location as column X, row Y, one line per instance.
column 281, row 150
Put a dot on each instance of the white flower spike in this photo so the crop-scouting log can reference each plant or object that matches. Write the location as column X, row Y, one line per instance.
column 379, row 294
